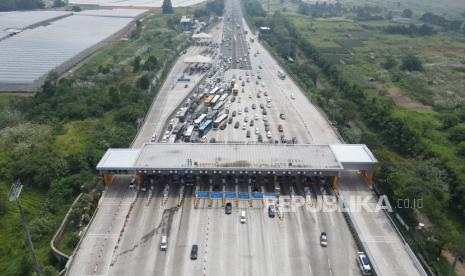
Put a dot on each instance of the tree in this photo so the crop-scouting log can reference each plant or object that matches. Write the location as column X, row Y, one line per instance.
column 136, row 64
column 151, row 63
column 167, row 7
column 390, row 63
column 144, row 82
column 411, row 63
column 59, row 3
column 408, row 13
column 457, row 133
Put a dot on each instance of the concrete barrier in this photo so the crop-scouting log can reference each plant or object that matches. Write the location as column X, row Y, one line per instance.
column 59, row 255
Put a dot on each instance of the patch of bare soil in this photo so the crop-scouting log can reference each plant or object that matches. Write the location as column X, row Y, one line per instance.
column 400, row 99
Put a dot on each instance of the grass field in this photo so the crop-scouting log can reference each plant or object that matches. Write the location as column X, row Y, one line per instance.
column 360, row 51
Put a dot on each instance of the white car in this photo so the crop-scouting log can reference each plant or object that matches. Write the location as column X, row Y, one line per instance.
column 364, row 263
column 244, row 126
column 257, row 130
column 165, row 139
column 268, row 105
column 264, row 118
column 268, row 134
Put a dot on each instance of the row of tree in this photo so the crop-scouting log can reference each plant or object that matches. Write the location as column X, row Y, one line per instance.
column 12, row 5
column 411, row 29
column 447, row 25
column 320, row 10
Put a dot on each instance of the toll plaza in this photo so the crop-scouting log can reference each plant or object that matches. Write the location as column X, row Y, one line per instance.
column 247, row 175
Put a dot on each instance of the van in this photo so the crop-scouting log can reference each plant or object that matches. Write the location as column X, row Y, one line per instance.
column 277, row 188
column 243, row 218
column 163, row 243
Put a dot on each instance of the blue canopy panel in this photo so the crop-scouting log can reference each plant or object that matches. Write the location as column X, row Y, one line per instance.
column 216, row 195
column 257, row 195
column 271, row 196
column 244, row 196
column 230, row 195
column 202, row 194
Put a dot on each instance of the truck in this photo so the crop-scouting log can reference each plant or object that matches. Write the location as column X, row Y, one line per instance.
column 235, row 89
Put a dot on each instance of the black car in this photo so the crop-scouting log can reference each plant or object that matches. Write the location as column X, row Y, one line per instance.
column 236, row 125
column 223, row 126
column 264, row 111
column 233, row 113
column 194, row 251
column 271, row 211
column 248, row 134
column 212, row 140
column 230, row 120
column 260, row 138
column 228, row 208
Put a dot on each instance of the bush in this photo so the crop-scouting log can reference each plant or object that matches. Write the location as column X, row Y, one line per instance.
column 411, row 63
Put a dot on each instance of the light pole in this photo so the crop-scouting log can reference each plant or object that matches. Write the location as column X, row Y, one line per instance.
column 14, row 196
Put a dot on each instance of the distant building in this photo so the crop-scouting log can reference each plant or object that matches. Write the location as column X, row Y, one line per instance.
column 187, row 23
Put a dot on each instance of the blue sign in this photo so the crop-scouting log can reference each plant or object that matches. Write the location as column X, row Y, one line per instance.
column 271, row 196
column 216, row 195
column 182, row 79
column 230, row 195
column 244, row 196
column 202, row 194
column 257, row 195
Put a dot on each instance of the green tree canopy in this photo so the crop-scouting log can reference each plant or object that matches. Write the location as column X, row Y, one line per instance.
column 167, row 7
column 411, row 63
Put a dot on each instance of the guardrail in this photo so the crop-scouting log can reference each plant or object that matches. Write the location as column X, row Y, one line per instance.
column 59, row 255
column 413, row 257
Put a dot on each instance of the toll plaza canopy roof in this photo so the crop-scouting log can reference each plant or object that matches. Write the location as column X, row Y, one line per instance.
column 201, row 36
column 194, row 157
column 197, row 59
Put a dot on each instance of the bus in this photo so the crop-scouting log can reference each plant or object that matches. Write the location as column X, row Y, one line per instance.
column 188, row 133
column 223, row 97
column 215, row 100
column 198, row 97
column 235, row 89
column 222, row 118
column 214, row 90
column 281, row 74
column 182, row 114
column 205, row 127
column 208, row 100
column 218, row 105
column 199, row 120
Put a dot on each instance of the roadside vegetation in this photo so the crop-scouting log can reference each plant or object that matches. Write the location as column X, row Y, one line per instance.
column 53, row 140
column 391, row 77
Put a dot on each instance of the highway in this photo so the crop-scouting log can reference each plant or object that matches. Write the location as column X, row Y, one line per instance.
column 289, row 245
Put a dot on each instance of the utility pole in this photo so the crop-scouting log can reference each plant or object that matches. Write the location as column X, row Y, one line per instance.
column 14, row 196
